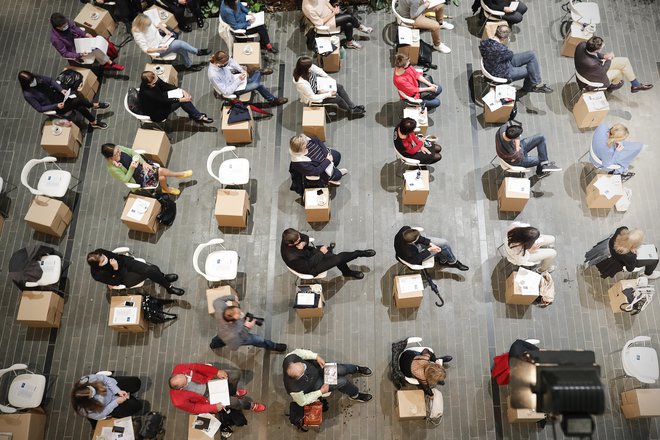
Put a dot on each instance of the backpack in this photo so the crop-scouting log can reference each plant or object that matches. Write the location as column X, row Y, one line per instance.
column 133, row 101
column 153, row 425
column 70, row 79
column 152, row 308
column 168, row 210
column 425, row 58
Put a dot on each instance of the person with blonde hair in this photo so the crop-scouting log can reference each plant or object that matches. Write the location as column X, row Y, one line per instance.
column 611, row 150
column 151, row 41
column 311, row 157
column 322, row 13
column 97, row 396
column 425, row 367
column 619, row 250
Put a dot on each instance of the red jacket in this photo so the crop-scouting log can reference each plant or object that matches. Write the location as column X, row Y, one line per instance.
column 408, row 82
column 187, row 400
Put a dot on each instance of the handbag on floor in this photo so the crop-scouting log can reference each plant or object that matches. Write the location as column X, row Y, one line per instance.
column 425, row 58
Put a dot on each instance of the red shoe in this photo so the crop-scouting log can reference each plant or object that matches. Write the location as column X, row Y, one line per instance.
column 113, row 66
column 241, row 392
column 257, row 407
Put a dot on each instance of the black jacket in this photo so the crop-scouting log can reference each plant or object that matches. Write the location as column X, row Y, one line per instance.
column 106, row 274
column 154, row 101
column 302, row 260
column 308, row 382
column 409, row 252
column 497, row 5
column 591, row 67
column 615, row 264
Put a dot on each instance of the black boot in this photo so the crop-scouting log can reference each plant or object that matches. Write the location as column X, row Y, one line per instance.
column 175, row 291
column 171, row 277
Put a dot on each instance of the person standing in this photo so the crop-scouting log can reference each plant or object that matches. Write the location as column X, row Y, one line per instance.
column 619, row 250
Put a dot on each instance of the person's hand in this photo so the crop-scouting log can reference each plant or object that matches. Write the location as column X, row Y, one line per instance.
column 619, row 146
column 219, row 407
column 113, row 263
column 121, row 400
column 186, row 97
column 147, row 167
column 250, row 18
column 82, row 54
column 242, row 76
column 434, row 248
column 88, row 35
column 249, row 324
column 336, row 10
column 426, row 4
column 325, row 389
column 134, row 164
column 508, row 10
column 425, row 150
column 608, row 56
column 323, row 249
column 60, row 105
column 301, row 245
column 320, row 361
column 222, row 374
column 123, row 393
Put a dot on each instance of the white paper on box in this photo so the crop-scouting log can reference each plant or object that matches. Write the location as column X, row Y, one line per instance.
column 412, row 182
column 127, row 424
column 405, row 35
column 243, row 82
column 153, row 15
column 647, row 252
column 527, row 282
column 492, row 103
column 214, row 424
column 609, row 186
column 411, row 284
column 595, row 101
column 218, row 391
column 417, row 115
column 175, row 94
column 138, row 209
column 259, row 20
column 305, row 299
column 330, row 373
column 505, row 91
column 578, row 31
column 323, row 45
column 125, row 315
column 520, row 186
column 88, row 45
column 326, row 83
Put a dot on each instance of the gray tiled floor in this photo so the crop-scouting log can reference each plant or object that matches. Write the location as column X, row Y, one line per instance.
column 360, row 323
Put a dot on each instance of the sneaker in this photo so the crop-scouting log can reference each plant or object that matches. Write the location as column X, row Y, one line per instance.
column 654, row 276
column 173, row 191
column 334, row 182
column 446, row 359
column 442, row 48
column 641, row 88
column 99, row 125
column 355, row 274
column 203, row 52
column 358, row 110
column 368, row 253
column 543, row 88
column 550, row 167
column 365, row 29
column 266, row 71
column 186, row 28
column 365, row 371
column 361, row 397
column 446, row 25
column 280, row 348
column 257, row 407
column 353, row 45
column 103, row 105
column 195, row 68
column 278, row 102
column 343, row 171
column 241, row 392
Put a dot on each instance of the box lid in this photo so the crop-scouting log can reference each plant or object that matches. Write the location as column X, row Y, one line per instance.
column 527, row 282
column 408, row 286
column 608, row 185
column 313, row 116
column 516, row 187
column 38, row 305
column 595, row 101
column 46, row 211
column 151, row 141
column 413, row 183
column 138, row 209
column 412, row 403
column 316, row 201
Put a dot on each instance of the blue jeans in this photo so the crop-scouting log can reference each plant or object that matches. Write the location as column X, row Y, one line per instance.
column 189, row 108
column 254, row 84
column 528, row 144
column 446, row 255
column 255, row 340
column 525, row 66
column 344, row 386
column 431, row 99
column 183, row 49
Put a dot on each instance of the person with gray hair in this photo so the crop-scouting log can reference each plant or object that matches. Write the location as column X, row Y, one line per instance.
column 311, row 157
column 501, row 62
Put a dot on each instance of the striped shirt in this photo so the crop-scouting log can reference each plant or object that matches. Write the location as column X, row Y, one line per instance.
column 312, row 81
column 316, row 152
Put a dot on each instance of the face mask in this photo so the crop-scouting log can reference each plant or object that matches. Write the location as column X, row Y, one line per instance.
column 65, row 28
column 33, row 83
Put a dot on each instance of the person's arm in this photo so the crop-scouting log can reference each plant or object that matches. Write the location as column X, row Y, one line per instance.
column 63, row 51
column 305, row 90
column 123, row 174
column 304, row 354
column 50, row 81
column 110, row 383
column 224, row 80
column 425, row 386
column 158, row 96
column 600, row 147
column 34, row 102
column 303, row 399
column 201, row 373
column 318, row 71
column 141, row 41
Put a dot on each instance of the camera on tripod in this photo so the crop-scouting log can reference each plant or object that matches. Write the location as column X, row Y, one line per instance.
column 250, row 317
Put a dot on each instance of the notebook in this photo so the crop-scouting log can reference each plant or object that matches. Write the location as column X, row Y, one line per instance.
column 218, row 391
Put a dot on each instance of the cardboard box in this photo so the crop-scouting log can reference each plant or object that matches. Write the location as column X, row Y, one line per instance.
column 522, row 287
column 408, row 291
column 155, row 143
column 65, row 144
column 90, row 83
column 166, row 17
column 490, row 27
column 248, row 55
column 166, row 72
column 640, row 403
column 136, row 218
column 29, row 425
column 616, row 294
column 215, row 293
column 96, row 21
column 330, row 63
column 576, row 36
column 515, row 415
column 419, row 195
column 591, row 109
column 49, row 216
column 422, row 118
column 313, row 121
column 513, row 194
column 604, row 191
column 40, row 309
column 129, row 433
column 232, row 207
column 317, row 207
column 2, row 223
column 123, row 318
column 411, row 404
column 238, row 133
column 312, row 312
column 198, row 434
column 410, row 49
column 499, row 116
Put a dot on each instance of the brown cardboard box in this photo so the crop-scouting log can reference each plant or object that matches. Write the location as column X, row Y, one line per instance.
column 616, row 294
column 315, row 312
column 167, row 72
column 317, row 207
column 408, row 291
column 313, row 121
column 640, row 403
column 198, row 434
column 155, row 144
column 90, row 83
column 499, row 116
column 513, row 194
column 591, row 109
column 411, row 50
column 96, row 21
column 411, row 404
column 215, row 293
column 422, row 118
column 147, row 222
column 29, row 425
column 166, row 17
column 109, row 423
column 40, row 309
column 65, row 144
column 515, row 415
column 330, row 63
column 2, row 223
column 252, row 59
column 611, row 186
column 238, row 133
column 490, row 27
column 574, row 37
column 521, row 292
column 417, row 196
column 49, row 216
column 232, row 207
column 118, row 321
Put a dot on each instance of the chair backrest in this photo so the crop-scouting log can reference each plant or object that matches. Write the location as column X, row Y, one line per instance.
column 26, row 172
column 224, row 31
column 135, row 115
column 198, row 251
column 491, row 77
column 404, row 159
column 399, row 19
column 594, row 159
column 213, row 155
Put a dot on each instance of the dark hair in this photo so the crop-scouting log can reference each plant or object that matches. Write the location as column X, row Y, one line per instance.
column 58, row 20
column 513, row 131
column 81, row 399
column 93, row 257
column 24, row 79
column 303, row 65
column 147, row 76
column 523, row 236
column 410, row 235
column 594, row 44
column 407, row 125
column 232, row 4
column 108, row 150
column 290, row 236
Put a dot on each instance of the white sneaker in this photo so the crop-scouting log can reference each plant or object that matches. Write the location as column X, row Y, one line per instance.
column 654, row 276
column 365, row 29
column 442, row 48
column 343, row 171
column 353, row 45
column 446, row 25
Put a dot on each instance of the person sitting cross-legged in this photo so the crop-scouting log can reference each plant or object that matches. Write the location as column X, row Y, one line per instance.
column 311, row 157
column 424, row 149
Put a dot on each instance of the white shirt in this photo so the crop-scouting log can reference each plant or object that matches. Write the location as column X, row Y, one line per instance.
column 149, row 39
column 307, row 95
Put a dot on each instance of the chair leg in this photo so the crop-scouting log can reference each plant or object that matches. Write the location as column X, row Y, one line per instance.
column 79, row 182
column 434, row 287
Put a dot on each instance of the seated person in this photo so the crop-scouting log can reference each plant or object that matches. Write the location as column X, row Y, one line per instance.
column 413, row 248
column 189, row 389
column 304, row 77
column 178, row 8
column 63, row 33
column 501, row 62
column 606, row 69
column 613, row 151
column 526, row 246
column 620, row 250
column 97, row 396
column 408, row 80
column 409, row 145
column 298, row 254
column 514, row 151
column 158, row 41
column 228, row 78
column 511, row 16
column 322, row 13
column 237, row 16
column 157, row 105
column 116, row 269
column 415, row 10
column 123, row 167
column 311, row 157
column 425, row 367
column 303, row 378
column 45, row 94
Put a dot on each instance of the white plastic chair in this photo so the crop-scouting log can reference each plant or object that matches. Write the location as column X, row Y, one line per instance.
column 52, row 183
column 640, row 362
column 490, row 15
column 143, row 119
column 401, row 21
column 407, row 161
column 508, row 168
column 51, row 266
column 232, row 171
column 584, row 12
column 492, row 80
column 597, row 163
column 126, row 251
column 303, row 276
column 25, row 391
column 219, row 265
column 415, row 344
column 409, row 100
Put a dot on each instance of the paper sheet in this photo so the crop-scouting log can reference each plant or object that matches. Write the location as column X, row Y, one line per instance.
column 647, row 252
column 411, row 284
column 595, row 101
column 514, row 5
column 326, row 83
column 506, row 92
column 527, row 282
column 259, row 19
column 412, row 182
column 521, row 186
column 214, row 424
column 153, row 15
column 125, row 315
column 138, row 209
column 330, row 373
column 305, row 299
column 405, row 35
column 492, row 103
column 89, row 45
column 609, row 186
column 323, row 45
column 176, row 93
column 218, row 391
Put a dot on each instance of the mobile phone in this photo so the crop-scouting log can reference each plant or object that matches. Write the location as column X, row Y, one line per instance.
column 319, row 192
column 129, row 303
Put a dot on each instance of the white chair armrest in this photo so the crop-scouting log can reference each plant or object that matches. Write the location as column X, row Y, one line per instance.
column 133, row 185
column 232, row 96
column 7, row 409
column 414, row 340
column 122, row 250
column 50, row 113
column 322, row 28
column 30, row 284
column 239, row 31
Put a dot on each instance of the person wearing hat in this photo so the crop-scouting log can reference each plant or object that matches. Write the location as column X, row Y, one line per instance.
column 97, row 396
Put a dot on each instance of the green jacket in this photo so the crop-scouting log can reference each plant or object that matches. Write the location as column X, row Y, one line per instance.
column 123, row 174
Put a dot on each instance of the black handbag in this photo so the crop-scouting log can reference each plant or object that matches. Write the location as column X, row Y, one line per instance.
column 70, row 79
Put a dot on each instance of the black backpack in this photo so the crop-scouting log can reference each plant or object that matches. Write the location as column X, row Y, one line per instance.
column 153, row 426
column 153, row 310
column 425, row 58
column 70, row 79
column 168, row 210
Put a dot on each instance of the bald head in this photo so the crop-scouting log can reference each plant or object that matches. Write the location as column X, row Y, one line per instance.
column 295, row 370
column 178, row 381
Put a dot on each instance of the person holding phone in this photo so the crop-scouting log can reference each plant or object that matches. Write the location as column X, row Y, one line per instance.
column 98, row 396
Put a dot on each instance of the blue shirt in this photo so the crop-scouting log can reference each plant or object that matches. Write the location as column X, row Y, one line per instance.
column 235, row 19
column 107, row 400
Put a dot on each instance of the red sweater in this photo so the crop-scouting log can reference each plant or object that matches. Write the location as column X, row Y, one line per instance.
column 187, row 400
column 410, row 144
column 408, row 82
